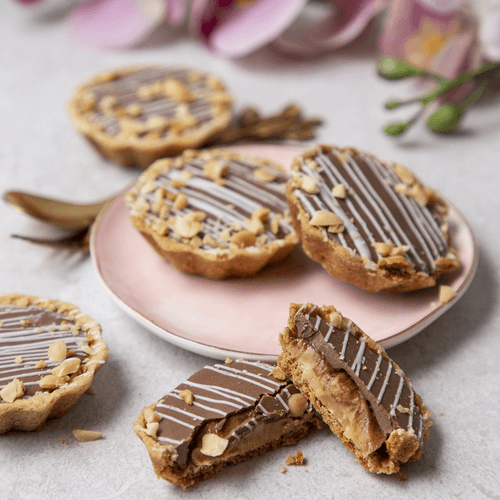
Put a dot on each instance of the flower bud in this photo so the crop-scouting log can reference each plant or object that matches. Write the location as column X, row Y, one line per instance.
column 397, row 128
column 446, row 117
column 396, row 69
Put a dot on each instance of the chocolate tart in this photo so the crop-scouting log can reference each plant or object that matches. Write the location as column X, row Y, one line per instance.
column 222, row 415
column 363, row 395
column 217, row 213
column 368, row 222
column 49, row 353
column 135, row 115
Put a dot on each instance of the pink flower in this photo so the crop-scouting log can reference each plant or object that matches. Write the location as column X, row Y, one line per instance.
column 437, row 36
column 337, row 23
column 122, row 23
column 235, row 28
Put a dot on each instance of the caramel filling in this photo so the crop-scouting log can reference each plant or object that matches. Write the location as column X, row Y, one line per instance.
column 260, row 435
column 340, row 397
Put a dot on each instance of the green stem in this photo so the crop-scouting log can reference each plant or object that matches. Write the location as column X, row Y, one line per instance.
column 447, row 85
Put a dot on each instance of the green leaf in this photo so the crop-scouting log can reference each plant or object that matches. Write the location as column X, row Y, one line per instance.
column 445, row 118
column 396, row 128
column 396, row 69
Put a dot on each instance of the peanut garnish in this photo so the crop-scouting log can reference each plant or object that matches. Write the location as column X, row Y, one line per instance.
column 383, row 249
column 243, row 238
column 262, row 174
column 151, row 416
column 188, row 225
column 152, row 428
column 274, row 225
column 180, row 202
column 297, row 459
column 215, row 169
column 12, row 391
column 309, row 185
column 254, row 225
column 339, row 191
column 18, row 360
column 446, row 293
column 282, row 469
column 58, row 351
column 336, row 228
column 228, row 361
column 52, row 381
column 67, row 367
column 419, row 195
column 187, row 396
column 278, row 373
column 336, row 319
column 297, row 404
column 404, row 174
column 41, row 364
column 85, row 436
column 87, row 349
column 213, row 445
column 262, row 214
column 325, row 218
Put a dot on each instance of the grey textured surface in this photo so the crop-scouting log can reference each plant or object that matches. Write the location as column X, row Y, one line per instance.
column 453, row 363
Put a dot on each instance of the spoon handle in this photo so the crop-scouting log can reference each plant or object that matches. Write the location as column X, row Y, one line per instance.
column 57, row 213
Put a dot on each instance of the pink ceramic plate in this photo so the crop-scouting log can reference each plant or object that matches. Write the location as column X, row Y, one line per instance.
column 243, row 317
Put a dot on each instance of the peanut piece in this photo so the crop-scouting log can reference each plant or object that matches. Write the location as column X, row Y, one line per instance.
column 262, row 214
column 213, row 445
column 262, row 174
column 243, row 238
column 12, row 391
column 446, row 293
column 41, row 364
column 215, row 169
column 309, row 185
column 85, row 436
column 254, row 225
column 52, row 381
column 339, row 191
column 186, row 227
column 58, row 351
column 187, row 396
column 383, row 249
column 68, row 367
column 297, row 404
column 151, row 416
column 180, row 202
column 325, row 218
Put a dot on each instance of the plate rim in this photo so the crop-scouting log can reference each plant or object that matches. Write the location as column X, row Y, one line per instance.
column 221, row 353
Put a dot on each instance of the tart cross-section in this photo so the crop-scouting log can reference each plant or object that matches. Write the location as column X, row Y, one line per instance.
column 362, row 394
column 222, row 415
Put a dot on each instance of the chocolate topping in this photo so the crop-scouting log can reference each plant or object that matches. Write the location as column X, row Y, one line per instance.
column 28, row 332
column 229, row 204
column 170, row 94
column 378, row 206
column 244, row 392
column 379, row 380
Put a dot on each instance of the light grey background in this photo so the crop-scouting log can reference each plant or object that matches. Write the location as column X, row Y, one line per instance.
column 453, row 363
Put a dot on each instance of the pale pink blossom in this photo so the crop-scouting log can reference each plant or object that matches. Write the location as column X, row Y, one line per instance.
column 122, row 23
column 437, row 36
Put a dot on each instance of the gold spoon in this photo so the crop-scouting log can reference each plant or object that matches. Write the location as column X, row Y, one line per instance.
column 55, row 212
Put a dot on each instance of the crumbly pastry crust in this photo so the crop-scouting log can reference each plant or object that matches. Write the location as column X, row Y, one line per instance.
column 136, row 139
column 362, row 395
column 369, row 222
column 260, row 424
column 30, row 414
column 226, row 238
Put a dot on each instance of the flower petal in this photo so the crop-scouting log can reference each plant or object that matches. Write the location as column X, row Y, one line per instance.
column 339, row 24
column 116, row 23
column 490, row 34
column 440, row 42
column 235, row 29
